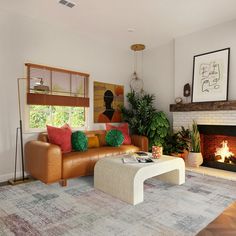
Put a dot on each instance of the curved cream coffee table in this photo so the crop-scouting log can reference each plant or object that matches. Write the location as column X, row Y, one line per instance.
column 125, row 181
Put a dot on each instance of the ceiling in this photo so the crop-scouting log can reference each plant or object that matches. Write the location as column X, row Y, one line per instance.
column 155, row 22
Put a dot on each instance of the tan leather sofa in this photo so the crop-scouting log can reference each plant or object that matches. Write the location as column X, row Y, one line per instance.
column 44, row 161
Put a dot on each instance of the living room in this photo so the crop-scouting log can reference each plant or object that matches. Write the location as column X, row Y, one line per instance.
column 95, row 38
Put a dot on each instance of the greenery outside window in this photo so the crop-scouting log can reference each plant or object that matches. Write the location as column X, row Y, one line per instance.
column 39, row 116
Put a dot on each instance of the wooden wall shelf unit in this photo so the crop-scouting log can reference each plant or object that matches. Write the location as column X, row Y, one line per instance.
column 203, row 106
column 59, row 87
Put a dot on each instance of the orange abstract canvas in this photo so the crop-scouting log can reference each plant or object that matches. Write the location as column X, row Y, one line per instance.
column 108, row 98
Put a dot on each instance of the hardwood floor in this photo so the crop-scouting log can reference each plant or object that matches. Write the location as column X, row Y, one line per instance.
column 223, row 225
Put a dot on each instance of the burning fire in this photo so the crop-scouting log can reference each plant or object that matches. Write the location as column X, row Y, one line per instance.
column 223, row 151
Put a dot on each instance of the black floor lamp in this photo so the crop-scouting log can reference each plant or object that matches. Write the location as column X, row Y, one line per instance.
column 19, row 130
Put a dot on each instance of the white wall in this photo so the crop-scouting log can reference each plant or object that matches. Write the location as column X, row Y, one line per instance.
column 214, row 38
column 159, row 76
column 27, row 40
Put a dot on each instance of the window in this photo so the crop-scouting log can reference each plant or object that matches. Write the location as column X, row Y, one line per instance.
column 55, row 97
column 40, row 116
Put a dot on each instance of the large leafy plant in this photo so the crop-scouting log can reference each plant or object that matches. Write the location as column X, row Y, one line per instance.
column 144, row 119
column 158, row 129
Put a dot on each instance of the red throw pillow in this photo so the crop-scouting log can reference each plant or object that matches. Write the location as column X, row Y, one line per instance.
column 124, row 128
column 61, row 137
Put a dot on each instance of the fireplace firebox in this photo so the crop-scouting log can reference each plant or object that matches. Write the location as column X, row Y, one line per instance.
column 218, row 146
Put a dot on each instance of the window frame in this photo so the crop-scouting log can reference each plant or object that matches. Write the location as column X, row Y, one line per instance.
column 26, row 107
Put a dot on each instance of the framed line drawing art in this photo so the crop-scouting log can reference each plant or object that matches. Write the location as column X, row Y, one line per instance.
column 211, row 76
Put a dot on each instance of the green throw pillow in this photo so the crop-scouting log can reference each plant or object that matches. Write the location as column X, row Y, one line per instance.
column 79, row 141
column 114, row 138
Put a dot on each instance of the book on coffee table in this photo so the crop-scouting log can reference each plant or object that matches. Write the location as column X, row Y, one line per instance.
column 129, row 159
column 136, row 159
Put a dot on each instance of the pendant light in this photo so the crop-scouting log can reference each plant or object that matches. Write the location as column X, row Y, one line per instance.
column 136, row 83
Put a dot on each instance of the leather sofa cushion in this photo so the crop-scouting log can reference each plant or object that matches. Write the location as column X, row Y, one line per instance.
column 84, row 162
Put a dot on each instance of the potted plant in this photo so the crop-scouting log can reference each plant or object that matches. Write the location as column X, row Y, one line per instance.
column 144, row 119
column 195, row 156
column 176, row 145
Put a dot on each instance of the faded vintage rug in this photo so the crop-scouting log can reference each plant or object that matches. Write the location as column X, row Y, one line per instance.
column 39, row 209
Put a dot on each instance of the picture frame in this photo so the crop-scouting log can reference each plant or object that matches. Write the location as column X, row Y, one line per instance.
column 108, row 100
column 211, row 76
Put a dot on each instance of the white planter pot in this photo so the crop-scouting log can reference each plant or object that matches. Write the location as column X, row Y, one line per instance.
column 195, row 159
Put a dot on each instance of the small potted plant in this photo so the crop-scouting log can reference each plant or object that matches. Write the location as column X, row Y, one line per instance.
column 195, row 156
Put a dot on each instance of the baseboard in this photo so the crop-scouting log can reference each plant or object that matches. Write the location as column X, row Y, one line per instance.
column 6, row 177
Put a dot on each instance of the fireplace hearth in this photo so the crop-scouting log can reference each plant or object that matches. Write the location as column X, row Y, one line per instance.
column 218, row 146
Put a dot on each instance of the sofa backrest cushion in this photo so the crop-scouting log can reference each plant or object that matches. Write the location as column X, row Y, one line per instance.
column 124, row 128
column 93, row 142
column 43, row 136
column 79, row 141
column 61, row 137
column 114, row 138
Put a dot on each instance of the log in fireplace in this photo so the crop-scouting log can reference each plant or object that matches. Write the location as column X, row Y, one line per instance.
column 218, row 146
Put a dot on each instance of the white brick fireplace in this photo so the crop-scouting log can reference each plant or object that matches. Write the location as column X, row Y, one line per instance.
column 221, row 117
column 210, row 113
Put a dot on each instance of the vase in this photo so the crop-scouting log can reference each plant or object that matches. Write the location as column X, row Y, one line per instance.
column 195, row 159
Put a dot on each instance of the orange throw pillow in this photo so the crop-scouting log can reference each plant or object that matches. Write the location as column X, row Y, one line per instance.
column 93, row 142
column 102, row 139
column 61, row 137
column 124, row 128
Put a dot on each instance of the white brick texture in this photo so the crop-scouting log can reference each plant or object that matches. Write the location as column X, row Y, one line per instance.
column 204, row 118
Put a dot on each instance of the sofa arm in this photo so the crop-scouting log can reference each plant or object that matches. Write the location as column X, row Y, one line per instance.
column 43, row 161
column 140, row 141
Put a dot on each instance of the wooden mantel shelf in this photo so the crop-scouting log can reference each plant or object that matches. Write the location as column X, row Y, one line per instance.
column 203, row 106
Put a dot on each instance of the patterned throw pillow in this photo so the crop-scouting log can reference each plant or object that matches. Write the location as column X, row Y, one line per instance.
column 124, row 128
column 60, row 136
column 79, row 141
column 114, row 138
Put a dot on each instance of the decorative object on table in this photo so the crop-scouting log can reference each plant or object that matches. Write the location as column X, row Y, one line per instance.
column 114, row 138
column 157, row 151
column 129, row 159
column 136, row 83
column 19, row 130
column 178, row 100
column 79, row 141
column 142, row 154
column 210, row 76
column 144, row 119
column 187, row 91
column 195, row 156
column 144, row 159
column 108, row 98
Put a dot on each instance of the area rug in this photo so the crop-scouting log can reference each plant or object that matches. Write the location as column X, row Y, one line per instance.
column 38, row 209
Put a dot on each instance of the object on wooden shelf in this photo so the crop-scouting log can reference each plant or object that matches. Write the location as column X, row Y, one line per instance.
column 178, row 100
column 187, row 90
